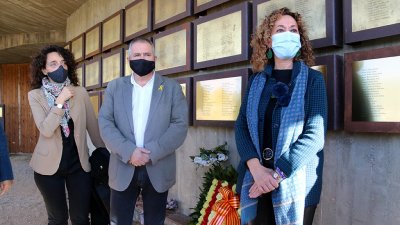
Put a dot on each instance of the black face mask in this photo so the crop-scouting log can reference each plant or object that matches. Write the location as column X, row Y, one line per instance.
column 142, row 67
column 59, row 75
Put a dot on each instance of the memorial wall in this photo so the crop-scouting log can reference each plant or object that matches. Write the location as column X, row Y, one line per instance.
column 195, row 39
column 204, row 45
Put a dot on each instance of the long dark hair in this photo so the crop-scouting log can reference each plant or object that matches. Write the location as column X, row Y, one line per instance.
column 39, row 63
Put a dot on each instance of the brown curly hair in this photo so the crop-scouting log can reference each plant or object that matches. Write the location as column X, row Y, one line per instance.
column 263, row 35
column 39, row 63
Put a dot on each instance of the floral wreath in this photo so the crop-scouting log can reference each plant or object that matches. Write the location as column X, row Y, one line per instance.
column 219, row 184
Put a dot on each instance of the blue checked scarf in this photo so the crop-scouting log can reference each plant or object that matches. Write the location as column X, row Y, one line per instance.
column 51, row 91
column 288, row 199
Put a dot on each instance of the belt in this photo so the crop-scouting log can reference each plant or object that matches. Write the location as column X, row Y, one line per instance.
column 267, row 154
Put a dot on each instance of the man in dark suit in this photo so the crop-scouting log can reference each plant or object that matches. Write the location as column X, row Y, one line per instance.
column 142, row 120
column 6, row 174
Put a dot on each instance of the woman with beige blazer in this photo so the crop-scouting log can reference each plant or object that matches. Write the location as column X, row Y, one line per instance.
column 63, row 113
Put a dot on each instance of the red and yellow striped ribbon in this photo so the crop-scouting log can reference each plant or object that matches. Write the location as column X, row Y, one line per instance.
column 225, row 208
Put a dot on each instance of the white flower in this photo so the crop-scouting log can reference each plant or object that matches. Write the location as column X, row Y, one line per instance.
column 213, row 160
column 210, row 157
column 197, row 160
column 205, row 163
column 222, row 157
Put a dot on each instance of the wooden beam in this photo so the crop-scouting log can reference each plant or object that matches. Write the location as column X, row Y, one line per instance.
column 15, row 40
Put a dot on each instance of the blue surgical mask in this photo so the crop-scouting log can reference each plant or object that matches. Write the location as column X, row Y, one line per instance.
column 286, row 44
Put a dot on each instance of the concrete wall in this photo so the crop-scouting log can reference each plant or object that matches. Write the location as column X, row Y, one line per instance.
column 361, row 180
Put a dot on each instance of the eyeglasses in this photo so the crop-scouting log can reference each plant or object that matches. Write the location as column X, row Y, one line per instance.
column 55, row 64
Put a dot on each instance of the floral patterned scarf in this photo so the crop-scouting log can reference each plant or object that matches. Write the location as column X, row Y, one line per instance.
column 51, row 90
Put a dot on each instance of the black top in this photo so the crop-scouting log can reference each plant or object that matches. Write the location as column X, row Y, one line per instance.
column 283, row 76
column 70, row 158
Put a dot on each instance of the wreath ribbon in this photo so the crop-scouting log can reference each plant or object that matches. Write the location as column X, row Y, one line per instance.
column 226, row 208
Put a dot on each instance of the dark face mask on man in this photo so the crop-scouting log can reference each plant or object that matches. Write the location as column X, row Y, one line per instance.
column 59, row 75
column 142, row 67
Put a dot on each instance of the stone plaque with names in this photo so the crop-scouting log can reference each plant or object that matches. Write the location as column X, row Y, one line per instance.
column 92, row 41
column 222, row 37
column 137, row 19
column 112, row 31
column 225, row 41
column 173, row 50
column 218, row 99
column 312, row 11
column 77, row 48
column 322, row 18
column 372, row 90
column 92, row 74
column 112, row 66
column 370, row 19
column 368, row 14
column 166, row 13
column 375, row 84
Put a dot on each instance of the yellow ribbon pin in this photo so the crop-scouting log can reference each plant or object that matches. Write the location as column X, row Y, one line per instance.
column 161, row 87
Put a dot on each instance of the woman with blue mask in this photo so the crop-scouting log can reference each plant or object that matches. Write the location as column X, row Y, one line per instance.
column 281, row 126
column 63, row 113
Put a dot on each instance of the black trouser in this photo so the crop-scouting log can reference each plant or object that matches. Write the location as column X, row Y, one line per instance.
column 266, row 216
column 53, row 191
column 123, row 202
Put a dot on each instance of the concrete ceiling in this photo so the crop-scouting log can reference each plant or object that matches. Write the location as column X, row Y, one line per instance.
column 27, row 25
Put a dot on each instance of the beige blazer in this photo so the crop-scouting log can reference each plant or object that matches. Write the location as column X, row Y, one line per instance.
column 48, row 151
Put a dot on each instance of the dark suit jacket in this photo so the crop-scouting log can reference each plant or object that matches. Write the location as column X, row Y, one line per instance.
column 165, row 131
column 5, row 164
